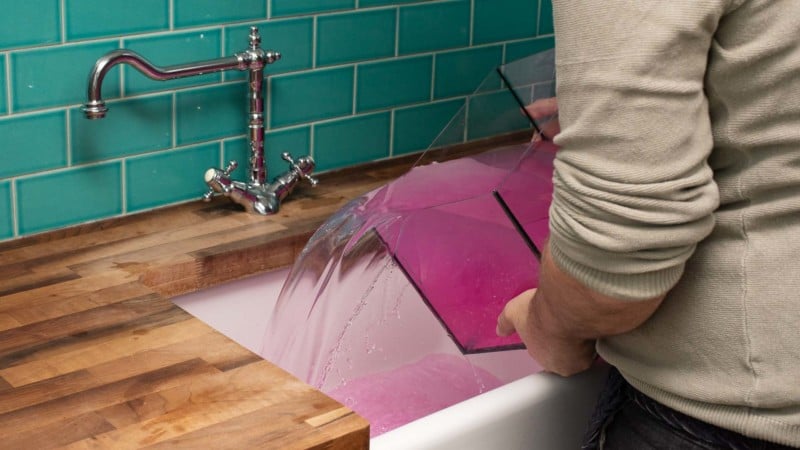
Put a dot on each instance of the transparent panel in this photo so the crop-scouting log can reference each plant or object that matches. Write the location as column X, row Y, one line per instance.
column 391, row 307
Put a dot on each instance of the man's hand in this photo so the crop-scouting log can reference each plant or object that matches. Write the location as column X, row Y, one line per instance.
column 560, row 321
column 561, row 355
column 541, row 109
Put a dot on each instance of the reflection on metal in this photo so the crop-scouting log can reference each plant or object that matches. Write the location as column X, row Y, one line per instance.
column 255, row 195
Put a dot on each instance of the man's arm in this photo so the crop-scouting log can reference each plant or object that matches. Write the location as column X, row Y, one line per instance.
column 560, row 321
column 633, row 193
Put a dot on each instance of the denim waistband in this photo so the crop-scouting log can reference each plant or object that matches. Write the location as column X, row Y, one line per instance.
column 617, row 393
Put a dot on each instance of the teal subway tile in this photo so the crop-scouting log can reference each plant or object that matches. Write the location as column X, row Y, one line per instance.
column 167, row 177
column 310, row 96
column 369, row 3
column 211, row 113
column 436, row 124
column 64, row 83
column 172, row 49
column 434, row 26
column 351, row 141
column 87, row 19
column 6, row 211
column 131, row 126
column 495, row 113
column 502, row 20
column 295, row 141
column 32, row 22
column 204, row 12
column 394, row 83
column 293, row 7
column 32, row 143
column 68, row 197
column 521, row 49
column 237, row 150
column 462, row 72
column 292, row 38
column 546, row 17
column 3, row 87
column 357, row 36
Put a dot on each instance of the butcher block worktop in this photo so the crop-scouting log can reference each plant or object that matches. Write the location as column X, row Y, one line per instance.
column 93, row 354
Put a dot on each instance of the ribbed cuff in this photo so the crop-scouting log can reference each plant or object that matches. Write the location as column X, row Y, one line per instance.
column 624, row 285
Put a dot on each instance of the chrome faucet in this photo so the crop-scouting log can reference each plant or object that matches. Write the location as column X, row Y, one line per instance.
column 255, row 195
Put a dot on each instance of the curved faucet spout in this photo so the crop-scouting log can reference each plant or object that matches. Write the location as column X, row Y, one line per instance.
column 95, row 108
column 255, row 195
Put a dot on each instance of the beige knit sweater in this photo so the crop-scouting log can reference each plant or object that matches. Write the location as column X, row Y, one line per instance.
column 680, row 169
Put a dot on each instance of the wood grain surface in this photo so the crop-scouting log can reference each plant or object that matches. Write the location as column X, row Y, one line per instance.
column 93, row 354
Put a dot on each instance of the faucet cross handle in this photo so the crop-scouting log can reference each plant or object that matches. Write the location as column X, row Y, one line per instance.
column 255, row 38
column 232, row 165
column 302, row 167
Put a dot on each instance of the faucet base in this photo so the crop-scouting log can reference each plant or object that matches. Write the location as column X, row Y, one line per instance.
column 259, row 198
column 255, row 199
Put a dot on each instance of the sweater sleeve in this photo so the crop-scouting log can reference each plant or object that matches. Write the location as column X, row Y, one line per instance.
column 633, row 193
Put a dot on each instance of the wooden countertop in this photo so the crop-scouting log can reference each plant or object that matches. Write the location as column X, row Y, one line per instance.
column 93, row 354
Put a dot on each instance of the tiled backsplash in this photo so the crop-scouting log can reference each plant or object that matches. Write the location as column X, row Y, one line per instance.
column 359, row 80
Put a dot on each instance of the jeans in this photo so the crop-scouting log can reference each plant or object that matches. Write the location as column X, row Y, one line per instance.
column 627, row 419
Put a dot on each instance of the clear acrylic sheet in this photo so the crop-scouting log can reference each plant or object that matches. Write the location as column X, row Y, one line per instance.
column 391, row 307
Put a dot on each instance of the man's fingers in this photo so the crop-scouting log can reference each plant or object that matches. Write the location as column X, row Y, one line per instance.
column 543, row 107
column 504, row 325
column 514, row 313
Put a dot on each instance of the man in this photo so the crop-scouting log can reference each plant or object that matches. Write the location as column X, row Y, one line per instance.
column 675, row 226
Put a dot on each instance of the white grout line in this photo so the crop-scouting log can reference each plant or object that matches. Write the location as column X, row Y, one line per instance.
column 14, row 212
column 433, row 78
column 471, row 22
column 538, row 17
column 63, row 20
column 68, row 123
column 171, row 15
column 355, row 89
column 391, row 133
column 210, row 27
column 222, row 75
column 174, row 120
column 397, row 33
column 366, row 113
column 314, row 43
column 312, row 131
column 7, row 70
column 267, row 103
column 124, row 95
column 221, row 28
column 121, row 78
column 123, row 185
column 466, row 119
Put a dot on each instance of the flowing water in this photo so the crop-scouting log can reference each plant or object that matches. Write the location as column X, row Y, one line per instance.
column 360, row 316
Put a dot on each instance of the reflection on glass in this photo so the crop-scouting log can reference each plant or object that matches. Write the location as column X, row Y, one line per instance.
column 391, row 307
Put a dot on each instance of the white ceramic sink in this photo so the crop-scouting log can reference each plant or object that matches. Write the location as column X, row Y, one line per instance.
column 539, row 411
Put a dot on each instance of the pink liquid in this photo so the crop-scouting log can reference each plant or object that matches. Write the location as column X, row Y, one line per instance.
column 451, row 379
column 394, row 300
